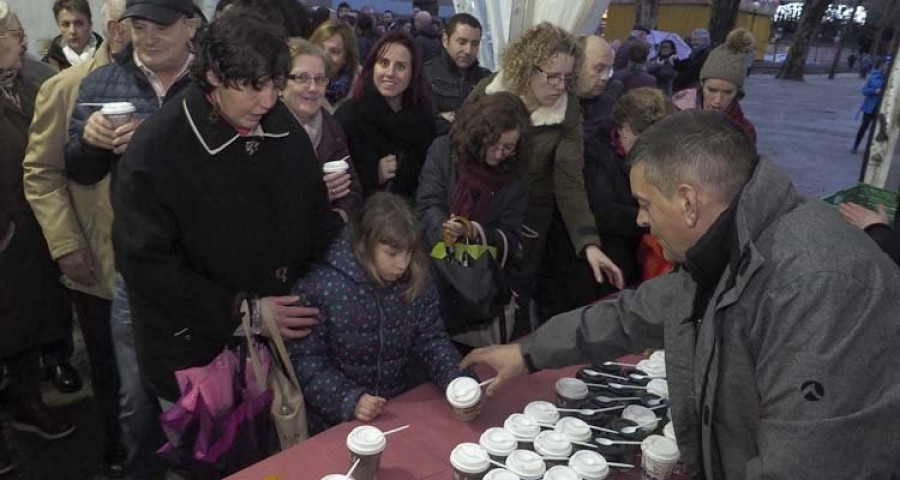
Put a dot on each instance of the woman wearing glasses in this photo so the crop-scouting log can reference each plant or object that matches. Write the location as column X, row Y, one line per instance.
column 304, row 95
column 539, row 68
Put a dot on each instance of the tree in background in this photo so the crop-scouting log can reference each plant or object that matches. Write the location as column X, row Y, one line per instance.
column 646, row 13
column 722, row 19
column 813, row 12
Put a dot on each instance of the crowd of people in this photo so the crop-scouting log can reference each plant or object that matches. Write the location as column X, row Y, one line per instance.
column 595, row 170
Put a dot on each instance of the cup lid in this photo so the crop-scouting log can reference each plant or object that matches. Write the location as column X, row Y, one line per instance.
column 117, row 108
column 498, row 441
column 545, row 413
column 522, row 426
column 640, row 415
column 588, row 464
column 574, row 429
column 560, row 472
column 658, row 387
column 658, row 356
column 571, row 388
column 366, row 440
column 526, row 463
column 501, row 474
column 463, row 392
column 669, row 431
column 335, row 166
column 551, row 443
column 660, row 448
column 469, row 458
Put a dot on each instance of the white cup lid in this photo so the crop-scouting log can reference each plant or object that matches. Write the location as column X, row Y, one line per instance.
column 366, row 440
column 658, row 356
column 590, row 465
column 669, row 431
column 335, row 166
column 551, row 443
column 571, row 388
column 463, row 392
column 522, row 426
column 574, row 429
column 652, row 368
column 526, row 463
column 469, row 458
column 658, row 387
column 660, row 448
column 117, row 108
column 498, row 441
column 640, row 415
column 560, row 472
column 545, row 413
column 501, row 474
column 336, row 476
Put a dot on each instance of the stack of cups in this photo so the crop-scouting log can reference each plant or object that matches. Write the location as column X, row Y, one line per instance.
column 470, row 462
column 658, row 457
column 545, row 413
column 575, row 429
column 498, row 442
column 560, row 472
column 524, row 428
column 464, row 395
column 526, row 464
column 571, row 393
column 590, row 465
column 554, row 447
column 366, row 444
column 118, row 113
column 501, row 474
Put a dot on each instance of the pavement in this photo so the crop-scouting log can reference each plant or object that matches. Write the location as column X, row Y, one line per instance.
column 805, row 127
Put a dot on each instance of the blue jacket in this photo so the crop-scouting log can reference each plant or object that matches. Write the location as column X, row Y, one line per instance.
column 365, row 338
column 120, row 81
column 870, row 90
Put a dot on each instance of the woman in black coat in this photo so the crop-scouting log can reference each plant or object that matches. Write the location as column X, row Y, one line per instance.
column 388, row 120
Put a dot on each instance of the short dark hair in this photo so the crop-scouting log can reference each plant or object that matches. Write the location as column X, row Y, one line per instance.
column 80, row 6
column 638, row 51
column 700, row 147
column 290, row 14
column 481, row 121
column 344, row 5
column 242, row 48
column 418, row 92
column 461, row 19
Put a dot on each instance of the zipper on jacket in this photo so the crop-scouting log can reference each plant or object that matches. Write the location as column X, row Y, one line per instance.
column 380, row 343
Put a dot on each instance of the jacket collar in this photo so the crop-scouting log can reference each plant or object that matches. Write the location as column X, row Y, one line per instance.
column 454, row 69
column 553, row 115
column 215, row 133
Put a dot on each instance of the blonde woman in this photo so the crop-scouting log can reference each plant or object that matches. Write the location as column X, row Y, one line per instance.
column 336, row 38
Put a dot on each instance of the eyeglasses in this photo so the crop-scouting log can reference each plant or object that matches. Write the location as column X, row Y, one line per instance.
column 506, row 150
column 17, row 34
column 305, row 78
column 555, row 79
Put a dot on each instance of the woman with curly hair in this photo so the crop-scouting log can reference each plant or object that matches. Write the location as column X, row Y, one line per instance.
column 337, row 39
column 475, row 173
column 539, row 67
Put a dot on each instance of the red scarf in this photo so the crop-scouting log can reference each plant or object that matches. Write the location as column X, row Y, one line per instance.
column 474, row 192
column 616, row 141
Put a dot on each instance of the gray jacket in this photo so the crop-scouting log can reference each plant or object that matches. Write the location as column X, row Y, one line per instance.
column 791, row 373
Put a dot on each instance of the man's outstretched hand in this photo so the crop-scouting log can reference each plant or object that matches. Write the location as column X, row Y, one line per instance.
column 506, row 360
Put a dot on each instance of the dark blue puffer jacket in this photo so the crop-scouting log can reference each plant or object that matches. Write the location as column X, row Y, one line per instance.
column 365, row 336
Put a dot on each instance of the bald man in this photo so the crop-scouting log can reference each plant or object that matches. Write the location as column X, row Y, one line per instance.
column 427, row 36
column 593, row 77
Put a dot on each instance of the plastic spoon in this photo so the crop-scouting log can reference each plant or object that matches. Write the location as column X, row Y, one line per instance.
column 620, row 386
column 595, row 373
column 395, row 430
column 352, row 468
column 609, row 441
column 583, row 444
column 591, row 411
column 605, row 399
column 620, row 364
column 498, row 464
column 483, row 383
column 658, row 406
column 601, row 429
column 620, row 465
column 633, row 428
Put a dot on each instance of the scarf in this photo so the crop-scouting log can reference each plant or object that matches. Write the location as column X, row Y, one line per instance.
column 339, row 87
column 7, row 87
column 616, row 141
column 707, row 260
column 473, row 195
column 75, row 58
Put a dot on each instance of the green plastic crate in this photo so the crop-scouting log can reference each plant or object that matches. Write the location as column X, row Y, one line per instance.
column 867, row 196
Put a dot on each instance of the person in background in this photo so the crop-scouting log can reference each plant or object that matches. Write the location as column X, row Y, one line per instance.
column 319, row 16
column 427, row 36
column 291, row 15
column 353, row 361
column 688, row 75
column 454, row 74
column 475, row 173
column 869, row 108
column 366, row 35
column 866, row 65
column 387, row 19
column 33, row 302
column 877, row 225
column 639, row 33
column 76, row 42
column 406, row 26
column 634, row 73
column 593, row 77
column 389, row 119
column 539, row 67
column 77, row 222
column 304, row 95
column 722, row 81
column 344, row 10
column 339, row 43
column 662, row 66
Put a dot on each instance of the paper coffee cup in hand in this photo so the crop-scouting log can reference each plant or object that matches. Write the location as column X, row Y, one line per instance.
column 337, row 166
column 118, row 113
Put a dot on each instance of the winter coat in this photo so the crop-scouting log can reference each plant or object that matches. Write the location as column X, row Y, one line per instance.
column 634, row 76
column 789, row 371
column 429, row 43
column 597, row 112
column 692, row 98
column 72, row 216
column 57, row 59
column 120, row 81
column 32, row 300
column 688, row 75
column 202, row 215
column 887, row 237
column 553, row 150
column 873, row 85
column 375, row 130
column 366, row 338
column 450, row 86
column 333, row 146
column 664, row 71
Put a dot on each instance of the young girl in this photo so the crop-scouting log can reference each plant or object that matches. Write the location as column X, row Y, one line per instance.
column 377, row 312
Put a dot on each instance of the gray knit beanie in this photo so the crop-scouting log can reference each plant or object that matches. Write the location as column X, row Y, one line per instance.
column 729, row 61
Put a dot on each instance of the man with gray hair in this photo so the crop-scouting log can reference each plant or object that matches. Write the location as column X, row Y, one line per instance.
column 689, row 69
column 779, row 323
column 427, row 37
column 77, row 223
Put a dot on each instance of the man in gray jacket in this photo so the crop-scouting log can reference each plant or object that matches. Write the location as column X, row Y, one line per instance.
column 781, row 325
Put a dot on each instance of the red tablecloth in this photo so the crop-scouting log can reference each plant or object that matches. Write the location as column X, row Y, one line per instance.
column 421, row 452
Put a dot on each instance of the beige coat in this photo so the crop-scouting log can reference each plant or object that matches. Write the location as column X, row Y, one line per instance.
column 72, row 216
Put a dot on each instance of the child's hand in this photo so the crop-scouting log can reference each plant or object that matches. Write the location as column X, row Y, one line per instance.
column 369, row 407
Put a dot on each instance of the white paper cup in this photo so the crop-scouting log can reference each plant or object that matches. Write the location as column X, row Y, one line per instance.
column 365, row 444
column 119, row 113
column 590, row 465
column 575, row 429
column 658, row 457
column 337, row 166
column 527, row 464
column 658, row 356
column 669, row 432
column 561, row 472
column 570, row 392
column 652, row 368
column 501, row 474
column 554, row 444
column 642, row 416
column 464, row 395
column 524, row 428
column 498, row 442
column 469, row 461
column 658, row 387
column 545, row 413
